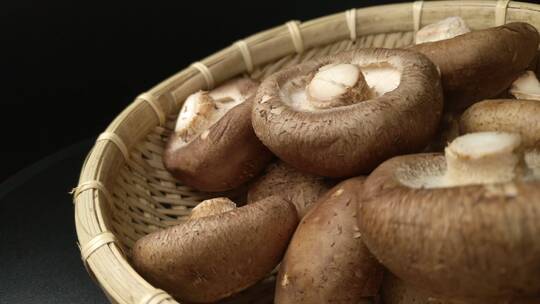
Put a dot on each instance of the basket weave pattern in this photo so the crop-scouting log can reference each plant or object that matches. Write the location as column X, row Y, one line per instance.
column 124, row 191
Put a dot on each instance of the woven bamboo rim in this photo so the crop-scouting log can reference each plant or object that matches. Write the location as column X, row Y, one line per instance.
column 124, row 191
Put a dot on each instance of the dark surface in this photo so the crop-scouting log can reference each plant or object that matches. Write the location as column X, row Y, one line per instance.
column 39, row 258
column 70, row 67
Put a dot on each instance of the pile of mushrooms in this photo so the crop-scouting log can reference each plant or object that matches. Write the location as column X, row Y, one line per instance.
column 354, row 211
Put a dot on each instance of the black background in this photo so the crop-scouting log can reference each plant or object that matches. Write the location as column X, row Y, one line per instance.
column 70, row 67
column 67, row 69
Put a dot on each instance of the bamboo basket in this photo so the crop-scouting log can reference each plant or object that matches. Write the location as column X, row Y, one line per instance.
column 124, row 192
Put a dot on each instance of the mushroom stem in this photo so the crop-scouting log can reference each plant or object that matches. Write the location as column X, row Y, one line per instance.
column 211, row 207
column 526, row 86
column 483, row 158
column 336, row 85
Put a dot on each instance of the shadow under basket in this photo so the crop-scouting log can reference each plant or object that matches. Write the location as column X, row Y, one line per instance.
column 124, row 191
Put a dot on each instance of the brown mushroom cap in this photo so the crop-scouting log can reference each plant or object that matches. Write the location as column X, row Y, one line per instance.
column 348, row 140
column 473, row 241
column 507, row 115
column 212, row 160
column 448, row 131
column 301, row 189
column 396, row 291
column 209, row 258
column 326, row 261
column 481, row 64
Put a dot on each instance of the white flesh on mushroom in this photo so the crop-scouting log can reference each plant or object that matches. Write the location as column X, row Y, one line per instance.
column 444, row 29
column 381, row 78
column 332, row 81
column 212, row 207
column 477, row 158
column 202, row 109
column 526, row 86
column 482, row 158
column 335, row 80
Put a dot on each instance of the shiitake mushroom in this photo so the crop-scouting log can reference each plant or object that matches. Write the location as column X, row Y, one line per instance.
column 213, row 147
column 326, row 261
column 342, row 115
column 460, row 226
column 481, row 64
column 218, row 252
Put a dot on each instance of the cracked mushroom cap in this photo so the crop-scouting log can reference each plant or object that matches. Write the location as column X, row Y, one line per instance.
column 204, row 150
column 342, row 115
column 462, row 226
column 301, row 189
column 505, row 115
column 219, row 251
column 326, row 261
column 481, row 64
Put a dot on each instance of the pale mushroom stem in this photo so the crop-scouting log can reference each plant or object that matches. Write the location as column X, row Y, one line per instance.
column 526, row 86
column 483, row 158
column 211, row 207
column 336, row 85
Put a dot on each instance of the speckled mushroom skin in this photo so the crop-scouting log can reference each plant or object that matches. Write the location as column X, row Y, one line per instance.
column 207, row 259
column 301, row 189
column 477, row 241
column 350, row 140
column 326, row 261
column 226, row 157
column 506, row 115
column 396, row 291
column 481, row 64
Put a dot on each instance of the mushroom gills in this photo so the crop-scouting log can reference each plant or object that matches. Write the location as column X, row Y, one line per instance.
column 476, row 158
column 442, row 30
column 211, row 207
column 201, row 110
column 526, row 86
column 341, row 81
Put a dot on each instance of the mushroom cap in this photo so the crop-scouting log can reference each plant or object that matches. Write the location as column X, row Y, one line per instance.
column 448, row 130
column 348, row 140
column 396, row 291
column 475, row 241
column 326, row 261
column 301, row 189
column 481, row 64
column 225, row 156
column 209, row 258
column 505, row 115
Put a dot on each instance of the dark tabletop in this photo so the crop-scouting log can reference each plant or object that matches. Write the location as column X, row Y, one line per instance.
column 39, row 258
